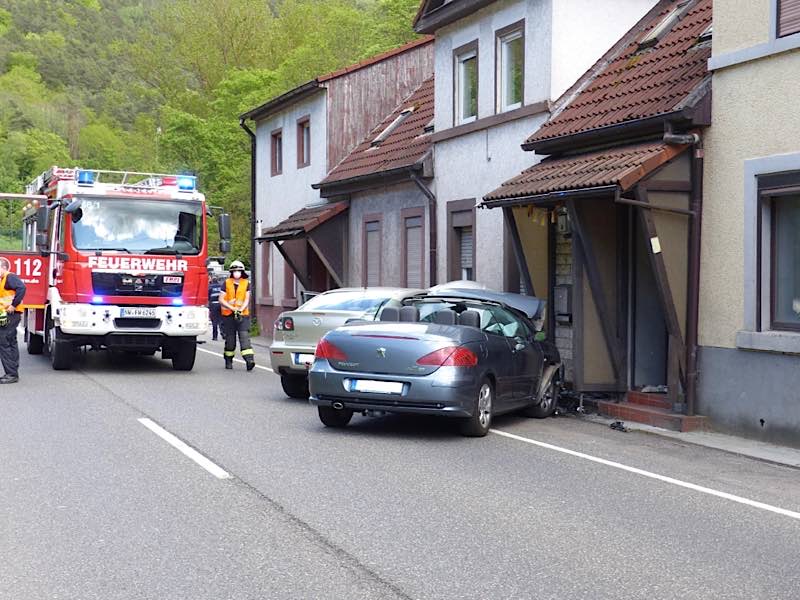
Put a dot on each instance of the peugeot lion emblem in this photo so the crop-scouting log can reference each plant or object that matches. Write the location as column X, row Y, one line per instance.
column 382, row 352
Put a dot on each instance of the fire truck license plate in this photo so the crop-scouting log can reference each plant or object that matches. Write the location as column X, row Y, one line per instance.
column 138, row 311
column 171, row 279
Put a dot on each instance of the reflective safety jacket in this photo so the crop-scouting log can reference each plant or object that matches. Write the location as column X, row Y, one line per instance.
column 236, row 296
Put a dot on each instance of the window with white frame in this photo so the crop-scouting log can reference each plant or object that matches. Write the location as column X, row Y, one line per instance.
column 466, row 83
column 788, row 17
column 779, row 259
column 510, row 67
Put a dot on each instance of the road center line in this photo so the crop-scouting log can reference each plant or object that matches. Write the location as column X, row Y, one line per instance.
column 643, row 473
column 263, row 368
column 183, row 447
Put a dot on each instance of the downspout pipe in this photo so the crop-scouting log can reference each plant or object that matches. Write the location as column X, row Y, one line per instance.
column 253, row 270
column 693, row 283
column 433, row 237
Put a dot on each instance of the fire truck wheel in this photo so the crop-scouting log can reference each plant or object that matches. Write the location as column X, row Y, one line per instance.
column 35, row 343
column 184, row 354
column 60, row 351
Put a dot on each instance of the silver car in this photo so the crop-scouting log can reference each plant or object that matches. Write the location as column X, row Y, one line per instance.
column 297, row 332
column 469, row 354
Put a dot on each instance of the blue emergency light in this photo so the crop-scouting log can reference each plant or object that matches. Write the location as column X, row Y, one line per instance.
column 186, row 183
column 85, row 178
column 177, row 301
column 97, row 299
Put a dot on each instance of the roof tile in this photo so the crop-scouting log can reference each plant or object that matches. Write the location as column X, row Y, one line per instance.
column 635, row 84
column 404, row 147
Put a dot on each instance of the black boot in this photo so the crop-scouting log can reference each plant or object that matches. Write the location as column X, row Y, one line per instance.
column 251, row 363
column 9, row 379
column 228, row 363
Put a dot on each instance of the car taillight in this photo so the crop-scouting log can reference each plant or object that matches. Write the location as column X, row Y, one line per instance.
column 451, row 356
column 329, row 351
column 284, row 324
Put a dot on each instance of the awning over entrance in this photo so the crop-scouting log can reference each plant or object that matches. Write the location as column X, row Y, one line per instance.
column 313, row 243
column 614, row 168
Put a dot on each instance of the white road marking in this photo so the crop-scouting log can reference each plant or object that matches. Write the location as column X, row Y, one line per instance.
column 664, row 478
column 235, row 359
column 183, row 447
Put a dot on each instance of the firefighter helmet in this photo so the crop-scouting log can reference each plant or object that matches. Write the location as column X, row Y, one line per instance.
column 236, row 265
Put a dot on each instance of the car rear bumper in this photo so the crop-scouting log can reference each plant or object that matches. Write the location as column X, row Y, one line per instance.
column 447, row 392
column 282, row 358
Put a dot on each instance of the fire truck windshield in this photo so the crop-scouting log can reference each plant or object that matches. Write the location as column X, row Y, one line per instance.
column 138, row 226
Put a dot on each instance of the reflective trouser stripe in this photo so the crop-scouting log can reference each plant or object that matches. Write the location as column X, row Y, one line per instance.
column 230, row 353
column 247, row 352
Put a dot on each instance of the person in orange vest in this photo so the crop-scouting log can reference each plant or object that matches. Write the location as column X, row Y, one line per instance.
column 234, row 303
column 12, row 291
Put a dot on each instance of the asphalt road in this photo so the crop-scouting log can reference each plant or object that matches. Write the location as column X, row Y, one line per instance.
column 93, row 504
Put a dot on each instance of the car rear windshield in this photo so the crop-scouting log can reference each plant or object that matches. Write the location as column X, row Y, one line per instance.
column 347, row 301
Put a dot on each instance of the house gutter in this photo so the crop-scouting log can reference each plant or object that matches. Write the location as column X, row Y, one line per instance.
column 433, row 237
column 693, row 284
column 253, row 270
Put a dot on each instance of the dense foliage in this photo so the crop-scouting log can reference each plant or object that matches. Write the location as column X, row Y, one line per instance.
column 157, row 85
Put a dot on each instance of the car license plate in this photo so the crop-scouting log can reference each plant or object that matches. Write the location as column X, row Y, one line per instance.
column 138, row 312
column 376, row 387
column 171, row 279
column 303, row 359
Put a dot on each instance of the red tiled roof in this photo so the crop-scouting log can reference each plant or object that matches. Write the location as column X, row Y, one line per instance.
column 623, row 166
column 426, row 39
column 303, row 221
column 629, row 84
column 404, row 147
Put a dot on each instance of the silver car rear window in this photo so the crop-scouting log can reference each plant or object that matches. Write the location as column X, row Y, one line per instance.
column 347, row 301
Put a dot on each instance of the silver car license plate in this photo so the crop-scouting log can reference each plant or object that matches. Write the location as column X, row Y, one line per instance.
column 376, row 387
column 138, row 312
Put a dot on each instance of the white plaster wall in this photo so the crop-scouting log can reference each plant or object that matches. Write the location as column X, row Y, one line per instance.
column 471, row 166
column 740, row 24
column 754, row 116
column 279, row 196
column 482, row 26
column 583, row 30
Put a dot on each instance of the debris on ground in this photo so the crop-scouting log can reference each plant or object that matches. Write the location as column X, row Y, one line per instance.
column 619, row 426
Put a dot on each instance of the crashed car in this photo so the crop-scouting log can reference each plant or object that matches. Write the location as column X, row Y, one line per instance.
column 468, row 354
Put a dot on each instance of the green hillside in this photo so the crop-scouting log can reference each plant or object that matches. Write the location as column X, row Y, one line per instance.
column 158, row 84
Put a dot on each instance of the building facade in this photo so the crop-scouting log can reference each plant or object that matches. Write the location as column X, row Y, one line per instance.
column 750, row 274
column 300, row 136
column 498, row 66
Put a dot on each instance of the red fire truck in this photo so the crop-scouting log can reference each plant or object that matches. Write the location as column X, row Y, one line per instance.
column 115, row 260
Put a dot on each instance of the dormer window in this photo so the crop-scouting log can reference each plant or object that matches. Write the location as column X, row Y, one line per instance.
column 465, row 82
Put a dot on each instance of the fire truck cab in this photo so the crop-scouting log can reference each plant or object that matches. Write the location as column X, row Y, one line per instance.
column 115, row 260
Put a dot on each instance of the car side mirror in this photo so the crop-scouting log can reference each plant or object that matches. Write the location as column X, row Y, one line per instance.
column 224, row 222
column 225, row 246
column 41, row 240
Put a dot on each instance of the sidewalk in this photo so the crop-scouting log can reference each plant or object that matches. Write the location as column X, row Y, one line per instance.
column 782, row 455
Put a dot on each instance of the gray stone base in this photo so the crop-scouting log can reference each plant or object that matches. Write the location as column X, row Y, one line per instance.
column 751, row 394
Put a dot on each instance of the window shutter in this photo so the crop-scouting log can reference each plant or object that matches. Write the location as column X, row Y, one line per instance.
column 373, row 249
column 414, row 252
column 466, row 247
column 788, row 17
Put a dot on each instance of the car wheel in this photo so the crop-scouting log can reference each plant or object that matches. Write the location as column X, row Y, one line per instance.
column 295, row 386
column 60, row 350
column 548, row 404
column 481, row 420
column 332, row 417
column 35, row 343
column 184, row 356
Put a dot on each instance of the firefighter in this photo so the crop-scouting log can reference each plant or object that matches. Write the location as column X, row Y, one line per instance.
column 235, row 305
column 12, row 291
